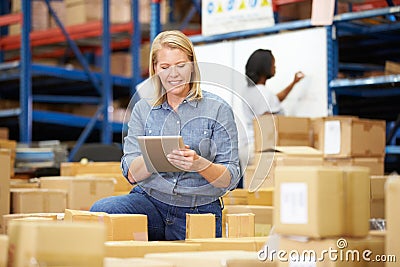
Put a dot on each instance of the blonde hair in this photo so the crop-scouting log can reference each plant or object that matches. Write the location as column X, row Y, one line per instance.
column 175, row 40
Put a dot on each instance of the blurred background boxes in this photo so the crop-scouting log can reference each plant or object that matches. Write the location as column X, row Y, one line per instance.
column 322, row 202
column 4, row 184
column 345, row 137
column 120, row 227
column 129, row 249
column 392, row 245
column 97, row 169
column 31, row 200
column 3, row 250
column 56, row 244
column 275, row 130
column 200, row 225
column 82, row 191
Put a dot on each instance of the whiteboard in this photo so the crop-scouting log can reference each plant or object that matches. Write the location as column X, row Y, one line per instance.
column 304, row 50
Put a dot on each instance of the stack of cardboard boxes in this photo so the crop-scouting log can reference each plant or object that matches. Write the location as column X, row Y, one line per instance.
column 76, row 12
column 318, row 209
column 329, row 141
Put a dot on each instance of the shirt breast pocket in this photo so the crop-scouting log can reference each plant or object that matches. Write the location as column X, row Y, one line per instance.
column 201, row 141
column 152, row 132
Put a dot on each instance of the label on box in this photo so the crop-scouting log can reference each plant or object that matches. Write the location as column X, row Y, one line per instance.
column 332, row 137
column 294, row 203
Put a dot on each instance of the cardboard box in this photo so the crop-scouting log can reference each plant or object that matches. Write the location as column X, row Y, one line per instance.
column 210, row 258
column 377, row 208
column 4, row 133
column 130, row 249
column 392, row 245
column 4, row 185
column 24, row 183
column 309, row 201
column 240, row 225
column 376, row 165
column 82, row 191
column 121, row 62
column 97, row 169
column 9, row 217
column 378, row 196
column 231, row 243
column 38, row 200
column 237, row 196
column 263, row 197
column 345, row 137
column 79, row 11
column 392, row 68
column 262, row 173
column 3, row 250
column 200, row 225
column 357, row 206
column 120, row 227
column 56, row 244
column 60, row 9
column 12, row 146
column 272, row 130
column 262, row 216
column 322, row 202
column 40, row 17
column 137, row 262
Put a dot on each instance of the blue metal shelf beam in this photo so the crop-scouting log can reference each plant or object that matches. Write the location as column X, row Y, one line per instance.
column 77, row 75
column 294, row 25
column 25, row 118
column 66, row 99
column 5, row 113
column 155, row 25
column 71, row 120
column 368, row 92
column 366, row 14
column 136, row 40
column 342, row 83
column 348, row 29
column 107, row 93
column 392, row 149
column 360, row 67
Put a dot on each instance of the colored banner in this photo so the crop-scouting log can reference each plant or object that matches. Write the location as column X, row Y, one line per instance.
column 224, row 16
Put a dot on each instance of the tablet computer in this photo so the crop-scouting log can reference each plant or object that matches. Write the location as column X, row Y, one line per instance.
column 155, row 150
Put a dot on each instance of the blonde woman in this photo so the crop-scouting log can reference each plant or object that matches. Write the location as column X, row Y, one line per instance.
column 209, row 160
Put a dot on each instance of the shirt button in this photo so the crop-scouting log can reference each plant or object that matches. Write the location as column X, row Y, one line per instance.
column 150, row 131
column 177, row 122
column 205, row 132
column 174, row 180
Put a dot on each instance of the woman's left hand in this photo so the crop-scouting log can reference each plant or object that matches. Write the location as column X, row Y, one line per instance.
column 187, row 160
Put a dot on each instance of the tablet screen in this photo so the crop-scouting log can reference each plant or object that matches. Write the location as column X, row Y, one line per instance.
column 155, row 150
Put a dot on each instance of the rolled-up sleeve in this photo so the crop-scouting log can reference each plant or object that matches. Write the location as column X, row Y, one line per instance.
column 135, row 129
column 226, row 141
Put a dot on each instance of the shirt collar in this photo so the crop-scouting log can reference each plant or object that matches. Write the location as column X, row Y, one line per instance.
column 165, row 104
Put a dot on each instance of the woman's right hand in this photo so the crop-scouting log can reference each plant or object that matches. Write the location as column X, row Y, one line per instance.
column 298, row 76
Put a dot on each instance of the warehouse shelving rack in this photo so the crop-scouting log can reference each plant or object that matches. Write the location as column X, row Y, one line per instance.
column 50, row 76
column 385, row 35
column 347, row 24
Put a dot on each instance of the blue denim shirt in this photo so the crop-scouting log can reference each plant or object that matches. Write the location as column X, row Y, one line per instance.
column 207, row 126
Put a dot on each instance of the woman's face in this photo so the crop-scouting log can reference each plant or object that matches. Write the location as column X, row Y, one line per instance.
column 174, row 69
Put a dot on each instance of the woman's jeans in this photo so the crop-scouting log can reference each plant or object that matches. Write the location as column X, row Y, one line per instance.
column 165, row 222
